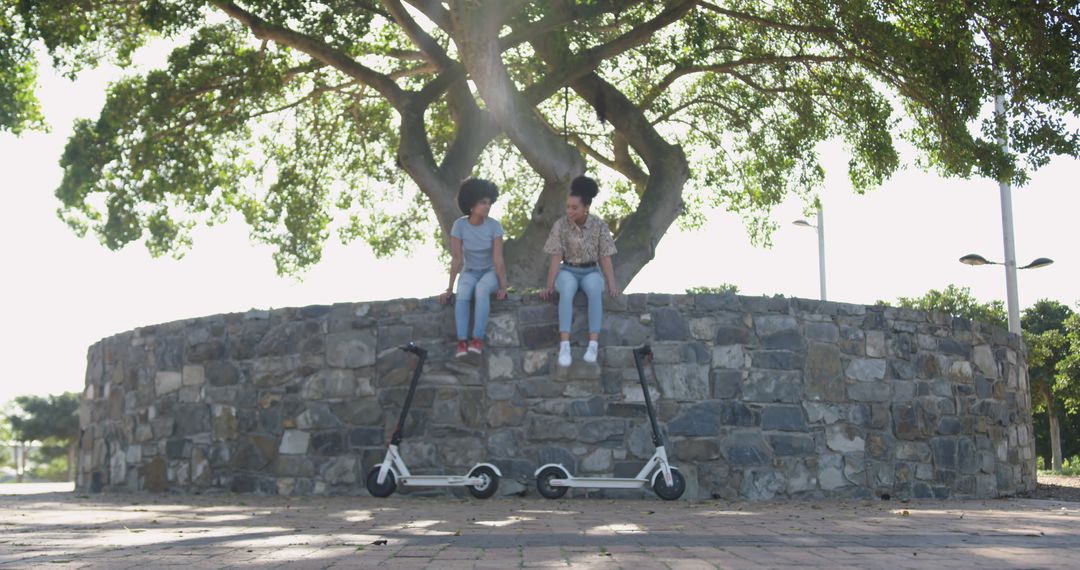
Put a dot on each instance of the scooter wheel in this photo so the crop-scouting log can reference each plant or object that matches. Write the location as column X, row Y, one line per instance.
column 678, row 486
column 490, row 484
column 543, row 483
column 381, row 491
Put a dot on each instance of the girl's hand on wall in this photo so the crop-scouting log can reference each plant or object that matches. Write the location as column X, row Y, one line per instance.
column 445, row 297
column 501, row 293
column 545, row 294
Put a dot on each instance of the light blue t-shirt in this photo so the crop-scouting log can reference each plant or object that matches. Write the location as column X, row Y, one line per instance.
column 477, row 242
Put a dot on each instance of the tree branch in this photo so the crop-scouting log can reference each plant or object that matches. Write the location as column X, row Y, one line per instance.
column 589, row 60
column 316, row 49
column 728, row 66
column 427, row 44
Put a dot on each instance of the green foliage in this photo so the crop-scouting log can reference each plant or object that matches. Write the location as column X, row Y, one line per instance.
column 1067, row 380
column 958, row 302
column 1069, row 466
column 718, row 290
column 282, row 128
column 52, row 418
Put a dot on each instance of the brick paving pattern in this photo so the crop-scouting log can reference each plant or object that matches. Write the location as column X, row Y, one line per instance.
column 64, row 530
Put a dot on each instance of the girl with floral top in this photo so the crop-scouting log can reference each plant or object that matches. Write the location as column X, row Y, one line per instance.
column 476, row 248
column 581, row 246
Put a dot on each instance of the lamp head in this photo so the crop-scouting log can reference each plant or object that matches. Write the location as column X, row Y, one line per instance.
column 1040, row 262
column 975, row 259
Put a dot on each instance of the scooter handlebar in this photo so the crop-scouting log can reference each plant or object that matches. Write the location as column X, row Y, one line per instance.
column 413, row 348
column 643, row 351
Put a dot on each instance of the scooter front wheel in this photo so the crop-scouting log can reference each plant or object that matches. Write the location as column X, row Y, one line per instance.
column 381, row 491
column 678, row 486
column 490, row 482
column 543, row 483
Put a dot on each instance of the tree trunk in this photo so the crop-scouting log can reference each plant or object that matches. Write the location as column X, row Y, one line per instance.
column 20, row 461
column 72, row 449
column 1055, row 428
column 476, row 27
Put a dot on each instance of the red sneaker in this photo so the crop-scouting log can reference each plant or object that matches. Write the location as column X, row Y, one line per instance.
column 462, row 350
column 475, row 346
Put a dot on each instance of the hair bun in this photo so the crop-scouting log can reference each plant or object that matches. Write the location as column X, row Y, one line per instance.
column 584, row 187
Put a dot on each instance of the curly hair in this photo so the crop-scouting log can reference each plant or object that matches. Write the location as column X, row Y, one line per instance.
column 473, row 190
column 584, row 188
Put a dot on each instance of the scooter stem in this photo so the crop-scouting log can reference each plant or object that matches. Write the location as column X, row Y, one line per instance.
column 421, row 357
column 640, row 354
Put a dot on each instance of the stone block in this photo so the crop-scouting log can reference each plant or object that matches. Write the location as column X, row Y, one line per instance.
column 351, row 349
column 866, row 369
column 783, row 418
column 844, row 438
column 502, row 330
column 773, row 386
column 294, row 442
column 746, row 448
column 729, row 356
column 822, row 375
column 167, row 381
column 193, row 375
column 683, row 381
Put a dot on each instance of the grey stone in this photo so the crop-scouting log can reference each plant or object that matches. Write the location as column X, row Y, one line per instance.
column 503, row 443
column 791, row 444
column 683, row 381
column 317, row 416
column 732, row 334
column 844, row 438
column 669, row 324
column 777, row 359
column 869, row 391
column 559, row 455
column 729, row 356
column 706, row 418
column 821, row 332
column 784, row 418
column 944, row 450
column 351, row 349
column 866, row 369
column 500, row 366
column 783, row 340
column 502, row 330
column 599, row 461
column 294, row 442
column 727, row 383
column 822, row 379
column 334, row 384
column 771, row 324
column 595, row 431
column 744, row 448
column 763, row 484
column 366, row 437
column 875, row 344
column 773, row 386
column 831, row 472
column 167, row 381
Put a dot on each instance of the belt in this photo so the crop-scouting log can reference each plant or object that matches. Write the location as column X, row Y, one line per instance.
column 586, row 264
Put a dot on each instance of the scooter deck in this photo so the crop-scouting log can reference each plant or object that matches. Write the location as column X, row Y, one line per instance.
column 601, row 482
column 440, row 481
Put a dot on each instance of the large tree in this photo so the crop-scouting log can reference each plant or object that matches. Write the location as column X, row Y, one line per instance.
column 362, row 116
column 52, row 421
column 1049, row 353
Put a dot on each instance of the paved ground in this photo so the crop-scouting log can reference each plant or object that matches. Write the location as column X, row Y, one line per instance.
column 63, row 530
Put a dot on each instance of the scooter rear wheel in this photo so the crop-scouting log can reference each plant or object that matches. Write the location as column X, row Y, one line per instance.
column 490, row 485
column 677, row 488
column 543, row 483
column 381, row 491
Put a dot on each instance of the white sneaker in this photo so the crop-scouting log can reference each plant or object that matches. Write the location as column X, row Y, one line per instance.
column 590, row 353
column 564, row 354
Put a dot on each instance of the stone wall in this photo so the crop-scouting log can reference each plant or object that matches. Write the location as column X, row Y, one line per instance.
column 759, row 397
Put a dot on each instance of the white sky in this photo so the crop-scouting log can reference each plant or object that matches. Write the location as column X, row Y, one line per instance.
column 61, row 293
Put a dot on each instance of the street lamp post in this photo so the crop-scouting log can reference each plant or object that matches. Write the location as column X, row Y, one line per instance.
column 1013, row 305
column 821, row 246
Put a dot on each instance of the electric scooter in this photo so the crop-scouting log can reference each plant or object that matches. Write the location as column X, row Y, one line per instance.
column 552, row 480
column 482, row 480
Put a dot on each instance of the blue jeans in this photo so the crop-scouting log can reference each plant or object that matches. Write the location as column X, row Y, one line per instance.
column 480, row 285
column 567, row 283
